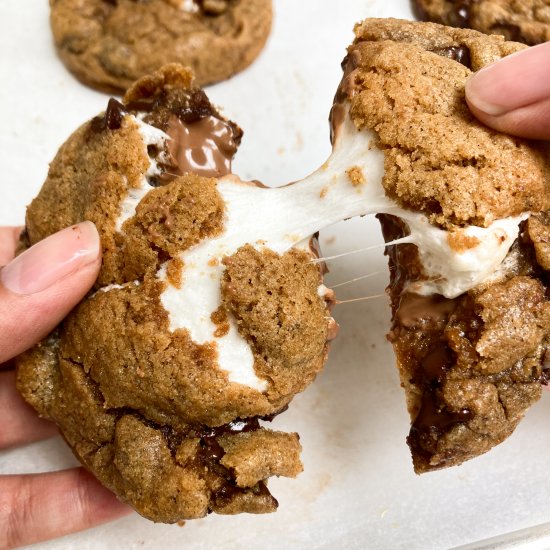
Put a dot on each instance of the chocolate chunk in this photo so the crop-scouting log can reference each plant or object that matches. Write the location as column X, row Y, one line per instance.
column 458, row 16
column 461, row 54
column 187, row 105
column 114, row 114
column 112, row 119
column 437, row 362
column 213, row 7
column 461, row 14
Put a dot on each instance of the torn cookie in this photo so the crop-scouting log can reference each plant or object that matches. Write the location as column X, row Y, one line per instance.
column 207, row 317
column 469, row 280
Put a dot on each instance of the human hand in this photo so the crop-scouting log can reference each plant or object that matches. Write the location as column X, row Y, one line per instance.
column 37, row 290
column 513, row 94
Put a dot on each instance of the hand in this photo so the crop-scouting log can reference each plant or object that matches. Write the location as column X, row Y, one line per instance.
column 38, row 289
column 513, row 94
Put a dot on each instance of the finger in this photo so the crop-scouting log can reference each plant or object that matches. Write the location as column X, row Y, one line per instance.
column 40, row 507
column 9, row 236
column 513, row 94
column 20, row 423
column 41, row 286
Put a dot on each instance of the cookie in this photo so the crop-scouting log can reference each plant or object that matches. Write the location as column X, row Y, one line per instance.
column 203, row 323
column 467, row 236
column 108, row 44
column 526, row 21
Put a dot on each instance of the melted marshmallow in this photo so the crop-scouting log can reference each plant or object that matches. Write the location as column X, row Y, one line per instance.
column 286, row 217
column 150, row 136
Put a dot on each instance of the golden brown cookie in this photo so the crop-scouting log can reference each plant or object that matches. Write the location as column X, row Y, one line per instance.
column 193, row 336
column 110, row 43
column 526, row 21
column 471, row 344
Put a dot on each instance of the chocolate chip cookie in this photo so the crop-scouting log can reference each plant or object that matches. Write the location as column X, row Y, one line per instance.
column 526, row 21
column 472, row 350
column 108, row 44
column 196, row 333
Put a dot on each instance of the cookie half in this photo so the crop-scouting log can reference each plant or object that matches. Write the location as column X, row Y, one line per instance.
column 469, row 282
column 205, row 319
column 526, row 21
column 108, row 44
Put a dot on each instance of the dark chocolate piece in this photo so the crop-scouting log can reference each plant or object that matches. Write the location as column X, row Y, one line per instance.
column 461, row 54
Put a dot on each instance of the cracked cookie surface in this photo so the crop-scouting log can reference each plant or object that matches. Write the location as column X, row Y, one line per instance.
column 108, row 44
column 471, row 365
column 526, row 21
column 142, row 405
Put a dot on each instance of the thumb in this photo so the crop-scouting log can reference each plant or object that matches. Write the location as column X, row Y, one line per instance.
column 513, row 94
column 41, row 286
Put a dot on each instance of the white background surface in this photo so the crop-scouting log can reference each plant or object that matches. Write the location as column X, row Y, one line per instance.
column 358, row 489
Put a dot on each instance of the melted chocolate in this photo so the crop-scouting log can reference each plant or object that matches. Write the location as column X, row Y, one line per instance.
column 431, row 358
column 461, row 54
column 432, row 422
column 204, row 147
column 237, row 426
column 344, row 92
column 415, row 309
column 436, row 363
column 187, row 105
column 434, row 419
column 201, row 141
column 270, row 417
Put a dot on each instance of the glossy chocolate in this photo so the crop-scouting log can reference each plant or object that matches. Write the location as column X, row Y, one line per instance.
column 111, row 119
column 344, row 92
column 415, row 309
column 461, row 54
column 204, row 147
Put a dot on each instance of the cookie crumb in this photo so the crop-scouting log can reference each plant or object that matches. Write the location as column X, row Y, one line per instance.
column 219, row 318
column 174, row 272
column 356, row 176
column 460, row 242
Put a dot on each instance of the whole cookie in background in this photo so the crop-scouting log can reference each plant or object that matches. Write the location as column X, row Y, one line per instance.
column 468, row 254
column 526, row 21
column 197, row 328
column 108, row 44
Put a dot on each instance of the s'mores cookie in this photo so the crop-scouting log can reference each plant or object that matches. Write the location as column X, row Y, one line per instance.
column 467, row 233
column 208, row 315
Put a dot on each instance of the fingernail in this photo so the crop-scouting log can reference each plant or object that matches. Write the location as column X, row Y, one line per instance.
column 51, row 259
column 515, row 81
